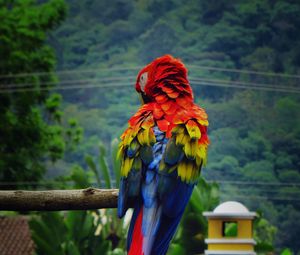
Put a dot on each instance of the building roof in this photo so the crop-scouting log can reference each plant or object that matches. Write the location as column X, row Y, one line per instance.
column 230, row 209
column 15, row 236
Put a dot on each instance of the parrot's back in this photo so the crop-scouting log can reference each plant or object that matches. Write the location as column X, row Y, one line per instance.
column 162, row 153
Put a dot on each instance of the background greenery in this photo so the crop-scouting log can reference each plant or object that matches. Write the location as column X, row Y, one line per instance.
column 254, row 130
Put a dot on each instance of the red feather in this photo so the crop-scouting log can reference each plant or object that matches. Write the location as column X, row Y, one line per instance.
column 136, row 246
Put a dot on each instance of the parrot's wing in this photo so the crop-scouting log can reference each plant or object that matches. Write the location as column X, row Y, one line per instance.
column 181, row 165
column 178, row 173
column 135, row 150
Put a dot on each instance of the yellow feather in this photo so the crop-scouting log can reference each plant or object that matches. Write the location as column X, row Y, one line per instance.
column 203, row 122
column 202, row 153
column 182, row 139
column 187, row 149
column 152, row 138
column 129, row 137
column 194, row 147
column 146, row 136
column 140, row 137
column 186, row 139
column 178, row 129
column 182, row 167
column 193, row 130
column 179, row 138
column 189, row 171
column 198, row 160
column 125, row 141
column 190, row 149
column 126, row 166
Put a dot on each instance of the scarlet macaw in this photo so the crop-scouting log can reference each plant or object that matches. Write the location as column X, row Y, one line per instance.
column 162, row 152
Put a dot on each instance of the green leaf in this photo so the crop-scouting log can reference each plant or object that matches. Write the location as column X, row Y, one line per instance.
column 176, row 249
column 79, row 177
column 72, row 249
column 115, row 161
column 286, row 251
column 196, row 198
column 104, row 167
column 90, row 162
column 117, row 251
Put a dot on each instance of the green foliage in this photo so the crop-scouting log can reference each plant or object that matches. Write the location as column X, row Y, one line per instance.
column 286, row 252
column 231, row 229
column 254, row 135
column 26, row 134
column 81, row 232
column 74, row 233
column 264, row 235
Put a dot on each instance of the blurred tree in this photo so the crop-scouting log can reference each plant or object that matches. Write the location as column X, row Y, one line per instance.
column 29, row 120
column 83, row 232
column 264, row 235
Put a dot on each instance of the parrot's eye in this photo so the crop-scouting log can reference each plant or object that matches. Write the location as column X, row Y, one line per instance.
column 143, row 80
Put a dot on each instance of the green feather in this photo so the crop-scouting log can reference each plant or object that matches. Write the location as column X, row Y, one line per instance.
column 146, row 154
column 173, row 152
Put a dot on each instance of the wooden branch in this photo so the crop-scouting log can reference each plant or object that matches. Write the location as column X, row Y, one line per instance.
column 58, row 200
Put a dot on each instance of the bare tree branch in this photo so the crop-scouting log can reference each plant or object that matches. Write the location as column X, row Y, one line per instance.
column 58, row 200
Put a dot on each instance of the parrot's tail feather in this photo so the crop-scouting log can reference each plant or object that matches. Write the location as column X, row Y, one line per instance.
column 136, row 245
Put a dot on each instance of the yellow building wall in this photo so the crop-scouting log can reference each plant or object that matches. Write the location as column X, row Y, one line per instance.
column 244, row 228
column 230, row 247
column 214, row 228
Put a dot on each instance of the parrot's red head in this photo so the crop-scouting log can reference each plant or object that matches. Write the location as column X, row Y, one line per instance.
column 165, row 76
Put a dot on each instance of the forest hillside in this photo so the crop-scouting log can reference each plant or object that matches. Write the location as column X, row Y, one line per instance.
column 254, row 116
column 243, row 59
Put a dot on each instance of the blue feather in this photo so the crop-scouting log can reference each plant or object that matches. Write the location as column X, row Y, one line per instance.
column 175, row 201
column 164, row 234
column 157, row 147
column 149, row 176
column 155, row 162
column 149, row 193
column 122, row 198
column 134, row 180
column 148, row 214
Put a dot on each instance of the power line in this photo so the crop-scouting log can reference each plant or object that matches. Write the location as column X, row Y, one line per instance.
column 233, row 70
column 238, row 82
column 105, row 79
column 246, row 191
column 209, row 68
column 256, row 183
column 262, row 198
column 62, row 72
column 206, row 83
column 201, row 82
column 112, row 85
column 65, row 82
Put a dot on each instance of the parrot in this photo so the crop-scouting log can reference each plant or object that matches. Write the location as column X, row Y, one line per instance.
column 161, row 155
